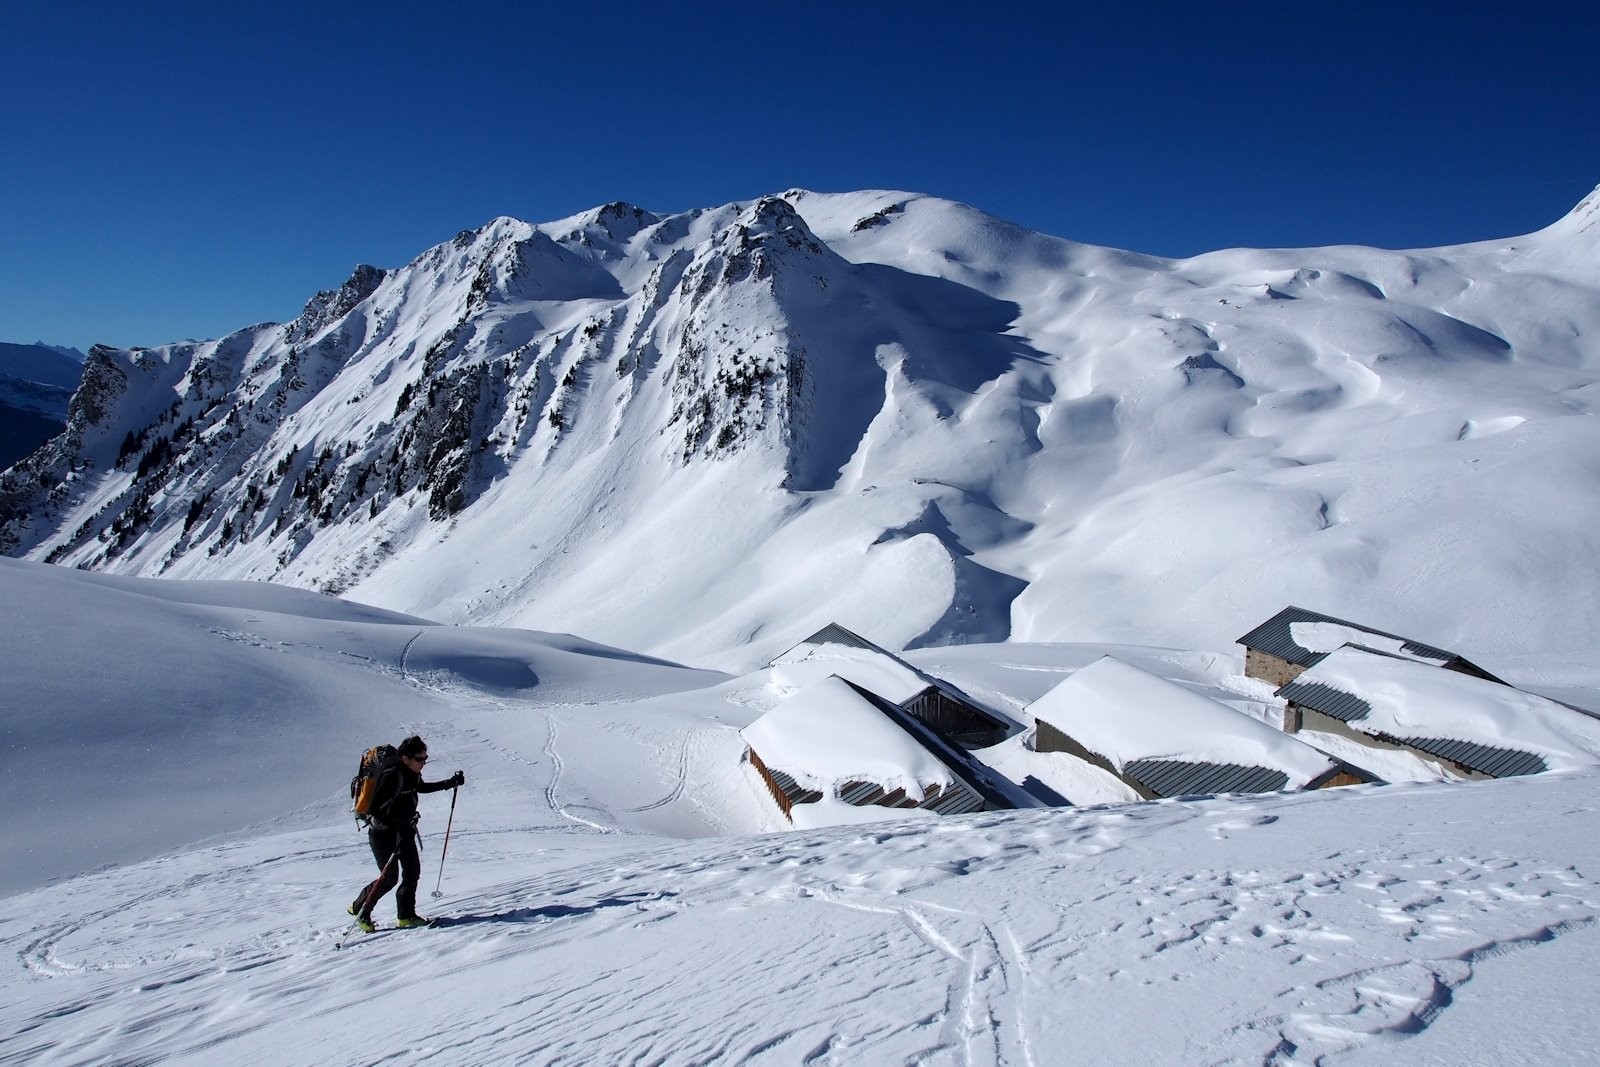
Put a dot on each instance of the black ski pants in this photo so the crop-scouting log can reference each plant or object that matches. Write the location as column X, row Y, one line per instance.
column 401, row 846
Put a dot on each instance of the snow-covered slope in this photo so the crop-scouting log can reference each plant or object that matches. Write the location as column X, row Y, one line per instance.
column 894, row 411
column 604, row 901
column 141, row 714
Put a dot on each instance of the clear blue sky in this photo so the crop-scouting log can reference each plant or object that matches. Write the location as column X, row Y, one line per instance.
column 178, row 170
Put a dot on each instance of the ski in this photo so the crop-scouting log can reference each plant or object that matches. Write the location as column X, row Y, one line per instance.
column 356, row 935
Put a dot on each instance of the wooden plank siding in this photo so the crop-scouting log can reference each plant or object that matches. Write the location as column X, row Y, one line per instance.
column 1342, row 778
column 785, row 790
column 958, row 721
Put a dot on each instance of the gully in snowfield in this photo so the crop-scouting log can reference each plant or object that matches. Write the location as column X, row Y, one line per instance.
column 391, row 811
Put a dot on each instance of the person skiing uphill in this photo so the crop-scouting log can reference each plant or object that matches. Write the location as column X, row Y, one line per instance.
column 393, row 833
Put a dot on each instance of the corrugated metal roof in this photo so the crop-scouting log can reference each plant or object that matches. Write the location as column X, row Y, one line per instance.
column 860, row 792
column 1327, row 699
column 1495, row 762
column 1177, row 778
column 957, row 799
column 1488, row 759
column 834, row 634
column 1275, row 638
column 956, row 802
column 797, row 793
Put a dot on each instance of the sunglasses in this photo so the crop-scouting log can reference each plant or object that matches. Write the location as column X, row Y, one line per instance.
column 418, row 759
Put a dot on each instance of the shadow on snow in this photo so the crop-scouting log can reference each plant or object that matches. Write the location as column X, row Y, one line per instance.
column 551, row 911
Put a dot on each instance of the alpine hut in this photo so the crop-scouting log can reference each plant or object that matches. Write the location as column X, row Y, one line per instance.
column 1476, row 728
column 832, row 749
column 835, row 650
column 1164, row 740
column 1295, row 639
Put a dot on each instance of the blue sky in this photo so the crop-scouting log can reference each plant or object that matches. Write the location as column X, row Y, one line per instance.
column 181, row 170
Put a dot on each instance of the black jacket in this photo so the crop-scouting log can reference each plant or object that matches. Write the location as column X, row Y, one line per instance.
column 394, row 800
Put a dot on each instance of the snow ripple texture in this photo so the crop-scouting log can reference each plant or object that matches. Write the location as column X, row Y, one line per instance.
column 1280, row 930
column 180, row 854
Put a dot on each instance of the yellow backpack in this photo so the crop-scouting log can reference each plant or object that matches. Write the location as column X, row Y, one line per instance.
column 365, row 783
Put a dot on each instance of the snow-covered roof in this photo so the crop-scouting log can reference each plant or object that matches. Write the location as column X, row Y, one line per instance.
column 1328, row 637
column 828, row 735
column 834, row 650
column 1297, row 635
column 1409, row 700
column 1128, row 715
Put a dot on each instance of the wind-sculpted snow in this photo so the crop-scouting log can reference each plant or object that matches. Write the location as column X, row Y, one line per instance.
column 581, row 425
column 142, row 714
column 1282, row 930
column 609, row 894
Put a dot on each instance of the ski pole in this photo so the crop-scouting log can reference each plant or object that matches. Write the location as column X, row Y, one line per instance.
column 445, row 851
column 370, row 898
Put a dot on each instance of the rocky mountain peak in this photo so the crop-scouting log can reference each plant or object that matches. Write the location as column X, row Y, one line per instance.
column 331, row 305
column 622, row 220
column 603, row 382
column 773, row 221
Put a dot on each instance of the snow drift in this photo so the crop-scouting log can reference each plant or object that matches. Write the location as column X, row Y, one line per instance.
column 606, row 901
column 941, row 427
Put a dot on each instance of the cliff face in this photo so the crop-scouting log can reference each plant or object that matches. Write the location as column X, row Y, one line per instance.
column 36, row 491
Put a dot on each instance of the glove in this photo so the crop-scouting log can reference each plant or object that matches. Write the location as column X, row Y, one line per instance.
column 458, row 780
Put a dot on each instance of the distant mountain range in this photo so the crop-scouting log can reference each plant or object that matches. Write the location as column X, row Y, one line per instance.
column 36, row 381
column 705, row 435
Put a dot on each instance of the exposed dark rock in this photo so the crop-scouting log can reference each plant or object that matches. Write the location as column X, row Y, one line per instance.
column 331, row 305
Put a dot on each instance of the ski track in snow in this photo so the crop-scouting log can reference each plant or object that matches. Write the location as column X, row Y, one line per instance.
column 589, row 919
column 679, row 783
column 983, row 940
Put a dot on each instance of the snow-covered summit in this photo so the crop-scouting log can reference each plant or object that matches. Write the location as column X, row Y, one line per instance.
column 36, row 384
column 661, row 430
column 332, row 305
column 41, row 364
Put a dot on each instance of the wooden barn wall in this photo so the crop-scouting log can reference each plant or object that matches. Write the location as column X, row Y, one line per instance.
column 955, row 719
column 784, row 803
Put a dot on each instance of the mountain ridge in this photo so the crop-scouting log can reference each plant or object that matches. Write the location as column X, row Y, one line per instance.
column 947, row 428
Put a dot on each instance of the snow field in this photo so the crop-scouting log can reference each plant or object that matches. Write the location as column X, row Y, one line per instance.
column 1292, row 929
column 608, row 895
